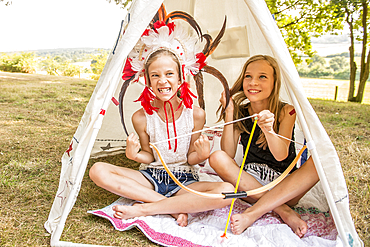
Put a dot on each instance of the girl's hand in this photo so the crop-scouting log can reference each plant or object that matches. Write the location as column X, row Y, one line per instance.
column 133, row 146
column 266, row 120
column 202, row 147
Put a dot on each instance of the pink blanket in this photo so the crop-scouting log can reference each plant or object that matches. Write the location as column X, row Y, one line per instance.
column 205, row 228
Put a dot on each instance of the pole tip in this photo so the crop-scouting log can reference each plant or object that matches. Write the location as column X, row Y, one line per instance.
column 223, row 240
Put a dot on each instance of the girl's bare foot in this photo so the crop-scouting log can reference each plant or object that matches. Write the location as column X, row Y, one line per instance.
column 129, row 212
column 294, row 221
column 240, row 222
column 181, row 219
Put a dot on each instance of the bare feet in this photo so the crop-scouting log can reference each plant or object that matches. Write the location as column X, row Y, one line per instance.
column 240, row 222
column 294, row 221
column 136, row 210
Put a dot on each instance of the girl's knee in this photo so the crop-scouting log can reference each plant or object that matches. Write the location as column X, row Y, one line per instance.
column 228, row 187
column 309, row 167
column 96, row 170
column 225, row 187
column 215, row 159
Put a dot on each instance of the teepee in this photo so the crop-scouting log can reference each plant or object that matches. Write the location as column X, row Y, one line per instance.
column 250, row 30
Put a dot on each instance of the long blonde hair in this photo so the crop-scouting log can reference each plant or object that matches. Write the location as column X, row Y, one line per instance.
column 238, row 97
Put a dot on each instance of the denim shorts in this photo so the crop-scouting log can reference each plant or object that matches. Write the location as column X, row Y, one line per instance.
column 163, row 183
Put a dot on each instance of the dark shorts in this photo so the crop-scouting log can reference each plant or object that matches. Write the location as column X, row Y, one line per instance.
column 261, row 172
column 163, row 183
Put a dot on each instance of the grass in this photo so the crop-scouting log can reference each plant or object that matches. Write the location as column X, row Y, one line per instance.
column 38, row 116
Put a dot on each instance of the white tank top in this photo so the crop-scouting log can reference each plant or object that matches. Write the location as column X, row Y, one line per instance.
column 157, row 131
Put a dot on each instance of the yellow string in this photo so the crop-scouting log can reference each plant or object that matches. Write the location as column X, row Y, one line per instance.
column 251, row 192
column 239, row 176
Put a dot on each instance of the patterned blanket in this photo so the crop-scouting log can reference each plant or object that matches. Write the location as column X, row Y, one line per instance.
column 205, row 228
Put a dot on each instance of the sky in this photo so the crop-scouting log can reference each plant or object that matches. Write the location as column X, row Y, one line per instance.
column 28, row 25
column 49, row 24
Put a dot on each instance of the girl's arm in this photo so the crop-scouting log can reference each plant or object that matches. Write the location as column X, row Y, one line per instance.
column 199, row 148
column 279, row 147
column 133, row 152
column 230, row 135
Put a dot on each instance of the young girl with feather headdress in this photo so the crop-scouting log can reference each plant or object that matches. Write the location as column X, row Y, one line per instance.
column 164, row 55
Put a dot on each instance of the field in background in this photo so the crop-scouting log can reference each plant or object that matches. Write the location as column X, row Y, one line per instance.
column 39, row 115
column 325, row 89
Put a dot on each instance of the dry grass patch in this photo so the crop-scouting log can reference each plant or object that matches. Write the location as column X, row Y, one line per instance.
column 38, row 120
column 348, row 125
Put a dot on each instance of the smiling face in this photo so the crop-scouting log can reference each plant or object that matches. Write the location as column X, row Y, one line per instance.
column 258, row 81
column 163, row 76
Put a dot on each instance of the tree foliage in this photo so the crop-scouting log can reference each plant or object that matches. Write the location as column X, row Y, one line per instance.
column 299, row 20
column 123, row 3
column 357, row 17
column 58, row 62
column 97, row 64
column 71, row 54
column 336, row 68
column 23, row 62
column 338, row 63
column 59, row 65
column 70, row 70
column 51, row 65
column 316, row 60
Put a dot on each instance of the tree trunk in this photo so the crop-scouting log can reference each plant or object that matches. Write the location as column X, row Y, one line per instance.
column 352, row 63
column 364, row 40
column 364, row 71
column 363, row 79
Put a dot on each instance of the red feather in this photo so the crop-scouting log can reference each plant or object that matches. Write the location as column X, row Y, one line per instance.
column 146, row 32
column 201, row 60
column 171, row 26
column 159, row 24
column 127, row 71
column 146, row 98
column 186, row 95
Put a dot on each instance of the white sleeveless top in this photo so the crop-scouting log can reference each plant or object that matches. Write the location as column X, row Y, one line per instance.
column 157, row 131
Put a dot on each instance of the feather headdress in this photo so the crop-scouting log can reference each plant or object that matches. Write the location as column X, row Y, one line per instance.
column 164, row 33
column 170, row 37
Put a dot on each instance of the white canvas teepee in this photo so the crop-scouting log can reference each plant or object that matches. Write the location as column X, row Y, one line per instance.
column 250, row 30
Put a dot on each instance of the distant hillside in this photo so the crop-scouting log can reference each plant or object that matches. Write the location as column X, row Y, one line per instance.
column 73, row 54
column 331, row 45
column 63, row 51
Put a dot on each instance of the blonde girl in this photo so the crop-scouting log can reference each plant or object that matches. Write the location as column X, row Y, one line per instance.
column 256, row 91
